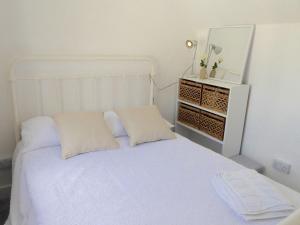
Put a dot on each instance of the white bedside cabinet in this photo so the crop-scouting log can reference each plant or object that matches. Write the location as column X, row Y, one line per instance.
column 214, row 111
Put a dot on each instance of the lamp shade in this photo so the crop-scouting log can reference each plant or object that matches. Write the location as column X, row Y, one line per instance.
column 217, row 49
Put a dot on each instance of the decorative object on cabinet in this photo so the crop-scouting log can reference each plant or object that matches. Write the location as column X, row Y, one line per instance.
column 203, row 65
column 213, row 71
column 203, row 73
column 214, row 110
column 232, row 43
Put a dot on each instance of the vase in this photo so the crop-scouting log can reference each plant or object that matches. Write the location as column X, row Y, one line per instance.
column 203, row 73
column 213, row 73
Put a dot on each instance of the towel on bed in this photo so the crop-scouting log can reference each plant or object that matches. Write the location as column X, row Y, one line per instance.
column 250, row 195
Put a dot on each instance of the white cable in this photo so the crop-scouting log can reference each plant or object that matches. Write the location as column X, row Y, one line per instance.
column 182, row 75
column 171, row 84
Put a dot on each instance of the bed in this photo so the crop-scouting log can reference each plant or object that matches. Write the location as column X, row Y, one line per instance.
column 164, row 182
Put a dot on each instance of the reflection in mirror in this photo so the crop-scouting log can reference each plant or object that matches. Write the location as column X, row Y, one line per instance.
column 227, row 52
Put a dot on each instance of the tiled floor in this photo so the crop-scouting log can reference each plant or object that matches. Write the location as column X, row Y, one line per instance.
column 4, row 210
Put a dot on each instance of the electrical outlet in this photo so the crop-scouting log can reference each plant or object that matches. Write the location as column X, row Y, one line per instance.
column 281, row 166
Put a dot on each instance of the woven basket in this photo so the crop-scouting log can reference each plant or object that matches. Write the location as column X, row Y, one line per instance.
column 212, row 124
column 215, row 98
column 190, row 91
column 188, row 115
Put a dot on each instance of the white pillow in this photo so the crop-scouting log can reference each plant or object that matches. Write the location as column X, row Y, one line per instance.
column 114, row 123
column 144, row 124
column 39, row 132
column 82, row 132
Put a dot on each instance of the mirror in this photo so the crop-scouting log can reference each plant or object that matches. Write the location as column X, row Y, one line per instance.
column 227, row 52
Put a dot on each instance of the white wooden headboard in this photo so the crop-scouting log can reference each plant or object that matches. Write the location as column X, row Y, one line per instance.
column 47, row 85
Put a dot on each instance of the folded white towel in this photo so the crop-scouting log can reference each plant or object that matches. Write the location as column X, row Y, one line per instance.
column 250, row 195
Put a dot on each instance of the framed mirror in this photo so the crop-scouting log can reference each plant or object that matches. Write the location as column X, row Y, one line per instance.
column 227, row 52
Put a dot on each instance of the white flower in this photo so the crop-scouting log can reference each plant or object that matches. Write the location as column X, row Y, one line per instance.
column 204, row 57
column 220, row 60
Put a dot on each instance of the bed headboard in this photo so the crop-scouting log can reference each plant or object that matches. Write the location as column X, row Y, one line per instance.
column 47, row 85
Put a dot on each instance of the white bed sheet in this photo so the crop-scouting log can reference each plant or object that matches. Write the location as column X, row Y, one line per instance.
column 159, row 183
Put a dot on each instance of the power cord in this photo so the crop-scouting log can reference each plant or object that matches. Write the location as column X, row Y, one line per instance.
column 182, row 75
column 171, row 84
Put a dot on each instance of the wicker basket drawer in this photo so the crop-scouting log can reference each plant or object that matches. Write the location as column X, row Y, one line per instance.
column 188, row 115
column 215, row 98
column 212, row 124
column 190, row 91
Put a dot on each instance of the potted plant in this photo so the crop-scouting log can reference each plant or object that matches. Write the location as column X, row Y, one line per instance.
column 203, row 65
column 213, row 72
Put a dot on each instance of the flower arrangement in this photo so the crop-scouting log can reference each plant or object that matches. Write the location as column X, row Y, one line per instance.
column 203, row 64
column 203, row 61
column 216, row 64
column 214, row 68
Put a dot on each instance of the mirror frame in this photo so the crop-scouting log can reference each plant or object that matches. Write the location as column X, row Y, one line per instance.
column 247, row 52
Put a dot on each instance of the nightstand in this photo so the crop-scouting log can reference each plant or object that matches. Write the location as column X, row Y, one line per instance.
column 214, row 111
column 249, row 163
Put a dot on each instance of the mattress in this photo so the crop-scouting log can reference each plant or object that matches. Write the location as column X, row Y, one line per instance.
column 159, row 183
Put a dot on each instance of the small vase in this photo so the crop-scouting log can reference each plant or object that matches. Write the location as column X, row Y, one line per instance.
column 213, row 73
column 203, row 73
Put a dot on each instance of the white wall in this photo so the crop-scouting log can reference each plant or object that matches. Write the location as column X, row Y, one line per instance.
column 76, row 27
column 160, row 28
column 6, row 116
column 272, row 127
column 106, row 27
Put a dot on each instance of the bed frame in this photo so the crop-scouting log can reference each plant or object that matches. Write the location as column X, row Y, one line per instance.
column 47, row 85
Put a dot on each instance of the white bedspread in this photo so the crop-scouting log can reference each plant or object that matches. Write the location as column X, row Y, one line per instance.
column 159, row 183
